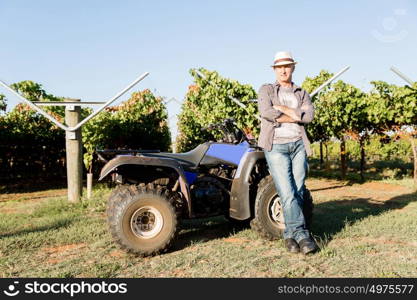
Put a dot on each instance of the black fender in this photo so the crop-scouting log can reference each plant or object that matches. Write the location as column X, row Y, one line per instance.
column 151, row 161
column 240, row 196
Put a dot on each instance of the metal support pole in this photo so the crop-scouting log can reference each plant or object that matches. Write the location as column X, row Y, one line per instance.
column 311, row 95
column 72, row 129
column 317, row 90
column 242, row 105
column 77, row 125
column 136, row 81
column 405, row 78
column 73, row 144
column 33, row 106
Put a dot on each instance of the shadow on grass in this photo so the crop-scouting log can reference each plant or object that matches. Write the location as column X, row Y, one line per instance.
column 350, row 178
column 203, row 230
column 331, row 217
column 53, row 226
column 32, row 185
column 331, row 187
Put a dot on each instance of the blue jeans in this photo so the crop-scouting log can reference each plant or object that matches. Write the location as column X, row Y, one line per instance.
column 288, row 166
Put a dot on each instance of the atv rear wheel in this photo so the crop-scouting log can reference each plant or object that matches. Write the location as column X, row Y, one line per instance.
column 269, row 220
column 141, row 219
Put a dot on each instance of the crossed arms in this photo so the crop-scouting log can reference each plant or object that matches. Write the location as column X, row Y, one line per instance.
column 283, row 114
column 289, row 115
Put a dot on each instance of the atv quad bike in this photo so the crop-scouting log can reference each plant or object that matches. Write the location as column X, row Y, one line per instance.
column 157, row 190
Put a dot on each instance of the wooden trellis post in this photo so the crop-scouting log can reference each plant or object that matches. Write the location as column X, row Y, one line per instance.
column 74, row 152
column 73, row 139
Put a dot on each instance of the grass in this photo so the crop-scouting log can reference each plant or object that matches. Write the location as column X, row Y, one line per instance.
column 364, row 230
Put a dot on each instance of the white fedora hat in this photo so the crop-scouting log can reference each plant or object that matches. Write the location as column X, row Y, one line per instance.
column 283, row 58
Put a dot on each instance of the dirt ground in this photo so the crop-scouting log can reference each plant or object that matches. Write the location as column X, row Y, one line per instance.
column 377, row 191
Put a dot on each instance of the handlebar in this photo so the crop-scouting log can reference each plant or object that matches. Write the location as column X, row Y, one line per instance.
column 231, row 132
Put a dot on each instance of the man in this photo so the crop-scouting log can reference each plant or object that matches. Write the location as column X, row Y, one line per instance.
column 284, row 108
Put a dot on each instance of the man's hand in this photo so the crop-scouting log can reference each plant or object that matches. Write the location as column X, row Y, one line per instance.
column 290, row 112
column 285, row 119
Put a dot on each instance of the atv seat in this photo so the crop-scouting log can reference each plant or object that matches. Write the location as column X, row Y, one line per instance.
column 189, row 159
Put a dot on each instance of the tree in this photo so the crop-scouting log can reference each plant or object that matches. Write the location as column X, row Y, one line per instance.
column 340, row 111
column 138, row 123
column 208, row 101
column 3, row 103
column 394, row 108
column 318, row 129
column 30, row 145
column 34, row 91
column 30, row 139
column 345, row 115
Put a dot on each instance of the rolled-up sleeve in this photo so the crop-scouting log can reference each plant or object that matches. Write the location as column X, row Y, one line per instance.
column 307, row 109
column 265, row 106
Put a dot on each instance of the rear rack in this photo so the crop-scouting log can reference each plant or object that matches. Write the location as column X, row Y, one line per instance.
column 113, row 152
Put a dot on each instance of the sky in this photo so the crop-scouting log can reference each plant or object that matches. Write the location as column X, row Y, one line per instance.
column 92, row 49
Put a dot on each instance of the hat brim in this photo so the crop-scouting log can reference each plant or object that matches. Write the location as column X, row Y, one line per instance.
column 284, row 63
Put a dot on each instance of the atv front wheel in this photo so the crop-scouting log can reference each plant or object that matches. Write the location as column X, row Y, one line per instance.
column 141, row 219
column 269, row 219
